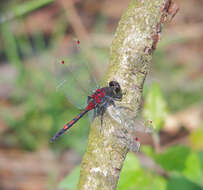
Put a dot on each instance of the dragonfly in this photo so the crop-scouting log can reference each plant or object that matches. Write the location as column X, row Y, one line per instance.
column 99, row 101
column 73, row 75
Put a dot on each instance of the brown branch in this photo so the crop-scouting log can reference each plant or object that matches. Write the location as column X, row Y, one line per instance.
column 131, row 53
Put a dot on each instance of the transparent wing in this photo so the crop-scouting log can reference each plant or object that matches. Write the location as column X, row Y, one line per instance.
column 134, row 144
column 130, row 120
column 74, row 77
column 91, row 116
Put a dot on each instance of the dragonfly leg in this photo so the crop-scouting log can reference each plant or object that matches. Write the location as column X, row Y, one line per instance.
column 113, row 103
column 110, row 101
column 95, row 114
column 102, row 115
column 101, row 112
column 96, row 111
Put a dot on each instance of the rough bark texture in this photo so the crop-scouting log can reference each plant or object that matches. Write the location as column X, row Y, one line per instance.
column 131, row 53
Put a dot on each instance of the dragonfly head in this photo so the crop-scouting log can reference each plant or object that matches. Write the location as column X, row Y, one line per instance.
column 116, row 91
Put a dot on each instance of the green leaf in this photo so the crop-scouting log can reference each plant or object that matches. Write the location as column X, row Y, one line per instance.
column 200, row 156
column 134, row 177
column 155, row 108
column 130, row 171
column 174, row 158
column 29, row 6
column 180, row 182
column 193, row 170
column 70, row 181
column 196, row 141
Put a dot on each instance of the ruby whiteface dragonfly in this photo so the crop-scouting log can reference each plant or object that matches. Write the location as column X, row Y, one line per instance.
column 76, row 79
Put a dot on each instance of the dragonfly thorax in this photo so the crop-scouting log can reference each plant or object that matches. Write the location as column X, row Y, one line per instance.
column 103, row 97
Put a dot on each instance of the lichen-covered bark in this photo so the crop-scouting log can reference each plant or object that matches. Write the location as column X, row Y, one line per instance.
column 131, row 53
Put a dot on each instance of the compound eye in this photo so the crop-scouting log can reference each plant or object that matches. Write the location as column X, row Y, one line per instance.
column 111, row 83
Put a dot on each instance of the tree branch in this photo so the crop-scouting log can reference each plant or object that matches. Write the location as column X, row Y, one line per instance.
column 131, row 53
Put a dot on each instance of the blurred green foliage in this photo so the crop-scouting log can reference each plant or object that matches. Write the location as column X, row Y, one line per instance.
column 133, row 176
column 179, row 90
column 44, row 112
column 196, row 137
column 155, row 106
column 19, row 10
